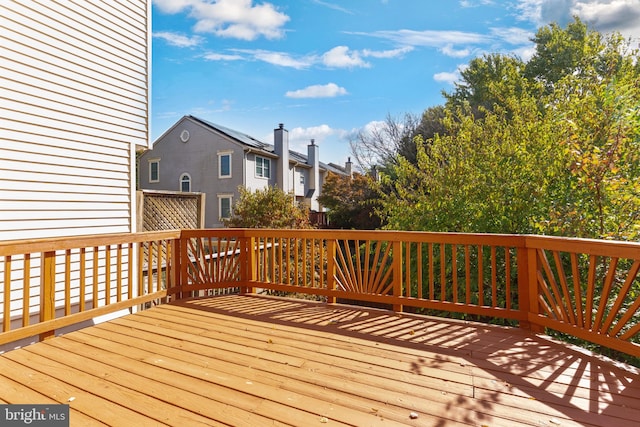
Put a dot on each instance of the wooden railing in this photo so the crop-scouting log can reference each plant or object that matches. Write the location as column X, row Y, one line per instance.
column 52, row 283
column 586, row 288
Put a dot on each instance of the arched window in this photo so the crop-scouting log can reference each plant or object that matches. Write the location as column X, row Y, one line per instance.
column 185, row 183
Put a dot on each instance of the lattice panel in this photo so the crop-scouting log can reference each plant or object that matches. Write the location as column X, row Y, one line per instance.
column 170, row 211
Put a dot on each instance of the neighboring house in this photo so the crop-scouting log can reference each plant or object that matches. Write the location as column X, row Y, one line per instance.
column 196, row 155
column 74, row 83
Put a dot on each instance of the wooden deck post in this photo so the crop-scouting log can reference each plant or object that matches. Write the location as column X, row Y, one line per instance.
column 527, row 287
column 248, row 264
column 174, row 269
column 47, row 290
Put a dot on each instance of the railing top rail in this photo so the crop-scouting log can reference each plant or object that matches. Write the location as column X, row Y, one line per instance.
column 586, row 246
column 511, row 240
column 14, row 247
column 610, row 248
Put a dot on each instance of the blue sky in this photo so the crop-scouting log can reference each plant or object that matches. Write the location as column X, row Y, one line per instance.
column 329, row 68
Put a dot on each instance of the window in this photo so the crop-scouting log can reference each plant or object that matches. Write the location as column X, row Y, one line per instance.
column 224, row 206
column 154, row 170
column 301, row 178
column 224, row 165
column 185, row 183
column 263, row 167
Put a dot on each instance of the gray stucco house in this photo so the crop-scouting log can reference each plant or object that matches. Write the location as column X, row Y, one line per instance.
column 195, row 155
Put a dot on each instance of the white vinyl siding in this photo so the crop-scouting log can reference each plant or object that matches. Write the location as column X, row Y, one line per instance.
column 74, row 88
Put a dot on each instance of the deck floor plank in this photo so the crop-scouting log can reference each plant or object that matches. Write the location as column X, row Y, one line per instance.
column 253, row 361
column 45, row 381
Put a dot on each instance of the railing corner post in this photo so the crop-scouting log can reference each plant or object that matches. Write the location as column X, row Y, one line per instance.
column 248, row 264
column 527, row 288
column 175, row 280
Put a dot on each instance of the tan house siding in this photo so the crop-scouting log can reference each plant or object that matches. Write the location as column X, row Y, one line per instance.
column 74, row 93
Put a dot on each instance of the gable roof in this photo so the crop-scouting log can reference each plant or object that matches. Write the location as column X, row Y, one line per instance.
column 252, row 142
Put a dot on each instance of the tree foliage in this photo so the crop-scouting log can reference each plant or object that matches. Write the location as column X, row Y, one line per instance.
column 351, row 201
column 269, row 207
column 549, row 146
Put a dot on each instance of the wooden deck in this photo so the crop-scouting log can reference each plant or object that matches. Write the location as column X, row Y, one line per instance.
column 257, row 361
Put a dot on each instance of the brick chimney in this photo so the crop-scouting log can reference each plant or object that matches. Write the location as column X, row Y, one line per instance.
column 313, row 160
column 281, row 148
column 348, row 167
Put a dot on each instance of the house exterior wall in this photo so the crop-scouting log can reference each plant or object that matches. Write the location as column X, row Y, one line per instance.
column 198, row 157
column 75, row 89
column 252, row 180
column 74, row 83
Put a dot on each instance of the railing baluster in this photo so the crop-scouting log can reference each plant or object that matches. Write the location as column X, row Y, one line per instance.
column 26, row 290
column 107, row 274
column 494, row 277
column 67, row 282
column 454, row 272
column 94, row 302
column 6, row 303
column 443, row 272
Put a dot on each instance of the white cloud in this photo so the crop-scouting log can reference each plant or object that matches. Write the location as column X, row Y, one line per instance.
column 338, row 57
column 329, row 90
column 605, row 16
column 446, row 77
column 456, row 44
column 512, row 35
column 222, row 57
column 431, row 38
column 449, row 77
column 469, row 3
column 239, row 19
column 178, row 40
column 283, row 59
column 300, row 137
column 455, row 53
column 342, row 57
column 333, row 6
column 393, row 53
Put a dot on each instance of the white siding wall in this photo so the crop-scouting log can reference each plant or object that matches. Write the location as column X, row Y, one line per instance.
column 74, row 102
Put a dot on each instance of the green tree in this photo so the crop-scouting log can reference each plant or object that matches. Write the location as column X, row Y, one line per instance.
column 488, row 81
column 487, row 174
column 598, row 114
column 561, row 52
column 269, row 207
column 351, row 201
column 553, row 152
